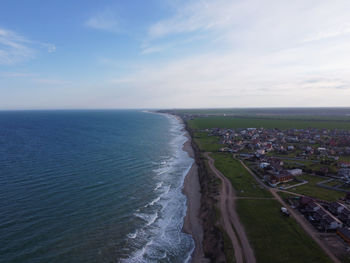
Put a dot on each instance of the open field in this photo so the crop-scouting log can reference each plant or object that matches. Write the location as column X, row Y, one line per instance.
column 311, row 189
column 306, row 113
column 344, row 158
column 285, row 123
column 276, row 238
column 207, row 143
column 244, row 184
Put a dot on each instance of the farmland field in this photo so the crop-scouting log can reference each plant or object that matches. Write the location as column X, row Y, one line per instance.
column 274, row 237
column 270, row 123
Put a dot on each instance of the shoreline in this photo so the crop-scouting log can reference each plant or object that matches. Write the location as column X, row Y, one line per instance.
column 192, row 190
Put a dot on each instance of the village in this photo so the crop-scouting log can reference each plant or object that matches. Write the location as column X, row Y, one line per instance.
column 292, row 158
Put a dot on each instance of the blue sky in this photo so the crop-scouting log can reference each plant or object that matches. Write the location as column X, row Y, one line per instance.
column 164, row 54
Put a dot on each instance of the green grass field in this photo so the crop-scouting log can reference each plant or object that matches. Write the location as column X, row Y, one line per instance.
column 344, row 158
column 235, row 122
column 242, row 181
column 207, row 143
column 311, row 189
column 276, row 113
column 274, row 237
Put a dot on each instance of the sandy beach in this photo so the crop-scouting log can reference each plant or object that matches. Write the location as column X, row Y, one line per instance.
column 192, row 222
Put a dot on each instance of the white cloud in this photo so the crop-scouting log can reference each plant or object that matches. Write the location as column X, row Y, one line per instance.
column 15, row 48
column 197, row 15
column 262, row 54
column 51, row 48
column 105, row 20
column 154, row 49
column 8, row 74
column 50, row 81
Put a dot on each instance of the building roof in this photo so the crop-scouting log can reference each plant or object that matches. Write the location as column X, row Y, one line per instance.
column 345, row 232
column 337, row 205
column 305, row 200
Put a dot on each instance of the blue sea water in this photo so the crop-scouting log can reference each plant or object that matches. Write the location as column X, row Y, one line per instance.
column 92, row 186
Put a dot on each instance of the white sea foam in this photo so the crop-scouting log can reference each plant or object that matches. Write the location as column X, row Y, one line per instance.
column 133, row 235
column 153, row 201
column 159, row 185
column 162, row 236
column 149, row 218
column 166, row 191
column 152, row 219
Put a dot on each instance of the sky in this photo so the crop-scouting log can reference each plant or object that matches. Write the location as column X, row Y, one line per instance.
column 86, row 54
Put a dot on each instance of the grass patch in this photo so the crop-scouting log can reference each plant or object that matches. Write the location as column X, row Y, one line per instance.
column 270, row 123
column 311, row 189
column 274, row 237
column 228, row 248
column 242, row 181
column 207, row 143
column 344, row 158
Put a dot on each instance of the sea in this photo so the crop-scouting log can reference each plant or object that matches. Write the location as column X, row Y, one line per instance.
column 92, row 186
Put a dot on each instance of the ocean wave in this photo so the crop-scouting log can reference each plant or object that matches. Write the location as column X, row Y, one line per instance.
column 164, row 222
column 133, row 235
column 166, row 191
column 159, row 185
column 153, row 202
column 149, row 218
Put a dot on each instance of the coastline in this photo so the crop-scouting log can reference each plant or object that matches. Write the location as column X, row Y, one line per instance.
column 192, row 190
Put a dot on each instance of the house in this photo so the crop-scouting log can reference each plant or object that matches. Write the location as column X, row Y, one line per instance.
column 276, row 164
column 322, row 150
column 344, row 233
column 336, row 208
column 264, row 165
column 344, row 164
column 326, row 220
column 344, row 172
column 260, row 152
column 344, row 215
column 290, row 148
column 330, row 222
column 295, row 172
column 319, row 214
column 312, row 207
column 304, row 200
column 280, row 178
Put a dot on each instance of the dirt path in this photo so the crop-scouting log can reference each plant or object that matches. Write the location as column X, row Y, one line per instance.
column 308, row 228
column 231, row 223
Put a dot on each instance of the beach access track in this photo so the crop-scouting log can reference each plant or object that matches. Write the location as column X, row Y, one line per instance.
column 230, row 220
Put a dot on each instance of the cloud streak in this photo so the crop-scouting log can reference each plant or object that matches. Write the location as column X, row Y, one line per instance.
column 105, row 20
column 15, row 48
column 256, row 53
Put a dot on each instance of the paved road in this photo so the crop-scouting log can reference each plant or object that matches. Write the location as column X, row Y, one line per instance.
column 231, row 223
